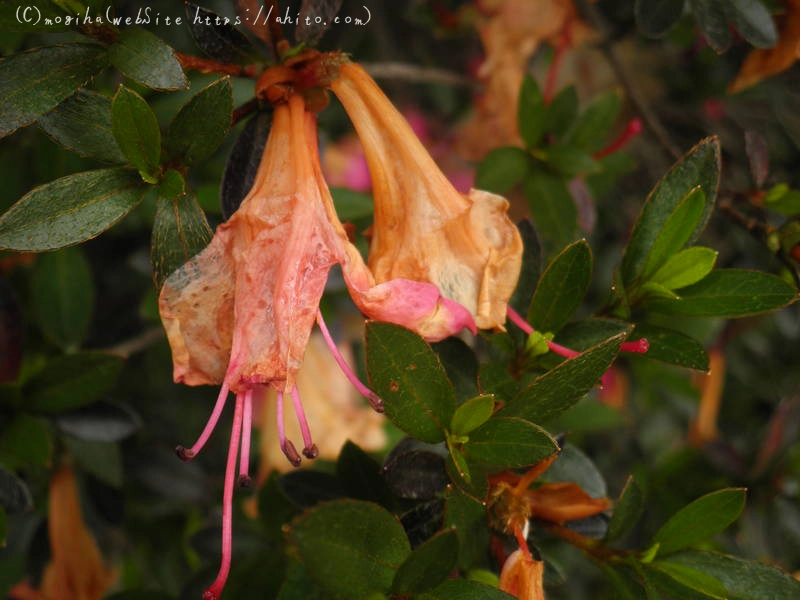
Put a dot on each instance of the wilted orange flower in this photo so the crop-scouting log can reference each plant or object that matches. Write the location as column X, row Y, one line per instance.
column 703, row 428
column 425, row 230
column 522, row 576
column 76, row 570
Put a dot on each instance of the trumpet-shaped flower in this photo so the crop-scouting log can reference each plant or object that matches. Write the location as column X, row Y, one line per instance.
column 425, row 230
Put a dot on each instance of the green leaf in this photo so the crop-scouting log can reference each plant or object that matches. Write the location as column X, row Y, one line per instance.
column 651, row 289
column 145, row 58
column 585, row 333
column 72, row 381
column 685, row 268
column 99, row 422
column 700, row 520
column 572, row 465
column 201, row 124
column 82, row 123
column 552, row 207
column 502, row 169
column 743, row 579
column 468, row 517
column 787, row 203
column 729, row 293
column 360, row 476
column 560, row 388
column 561, row 288
column 531, row 112
column 676, row 231
column 62, row 296
column 15, row 497
column 409, row 377
column 172, row 185
column 70, row 210
column 624, row 584
column 509, row 443
column 463, row 589
column 569, row 161
column 100, row 459
column 561, row 112
column 699, row 167
column 180, row 231
column 753, row 21
column 591, row 128
column 352, row 548
column 673, row 347
column 36, row 81
column 472, row 414
column 136, row 130
column 627, row 511
column 692, row 578
column 25, row 441
column 531, row 267
column 655, row 18
column 428, row 565
column 711, row 19
column 350, row 205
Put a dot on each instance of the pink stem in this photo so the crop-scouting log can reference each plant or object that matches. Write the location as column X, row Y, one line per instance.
column 247, row 427
column 632, row 129
column 310, row 450
column 640, row 346
column 515, row 318
column 215, row 590
column 287, row 447
column 562, row 350
column 189, row 454
column 373, row 398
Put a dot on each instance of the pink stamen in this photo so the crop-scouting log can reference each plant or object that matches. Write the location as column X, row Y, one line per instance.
column 632, row 129
column 515, row 318
column 640, row 346
column 245, row 480
column 188, row 454
column 287, row 447
column 215, row 590
column 310, row 450
column 562, row 350
column 373, row 398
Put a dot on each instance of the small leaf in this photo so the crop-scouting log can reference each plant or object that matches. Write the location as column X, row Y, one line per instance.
column 72, row 381
column 25, row 441
column 651, row 289
column 201, row 124
column 100, row 422
column 36, row 81
column 553, row 209
column 713, row 22
column 627, row 511
column 352, row 548
column 464, row 589
column 136, row 130
column 569, row 161
column 145, row 58
column 674, row 347
column 172, row 185
column 729, row 293
column 509, row 443
column 361, row 475
column 82, row 123
column 409, row 377
column 685, row 268
column 753, row 21
column 180, row 231
column 70, row 210
column 700, row 520
column 428, row 565
column 315, row 18
column 591, row 128
column 561, row 288
column 472, row 414
column 502, row 169
column 560, row 388
column 561, row 112
column 240, row 170
column 416, row 474
column 531, row 112
column 692, row 578
column 218, row 39
column 63, row 296
column 655, row 18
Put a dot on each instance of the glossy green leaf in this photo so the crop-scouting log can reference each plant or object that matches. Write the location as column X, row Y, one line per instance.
column 561, row 112
column 36, row 81
column 552, row 207
column 409, row 377
column 655, row 18
column 70, row 210
column 360, row 476
column 531, row 112
column 180, row 231
column 352, row 548
column 468, row 517
column 560, row 388
column 674, row 347
column 676, row 231
column 585, row 333
column 590, row 129
column 201, row 124
column 787, row 203
column 685, row 268
column 729, row 293
column 25, row 441
column 561, row 288
column 101, row 459
column 72, row 381
column 472, row 414
column 63, row 296
column 137, row 133
column 428, row 565
column 699, row 167
column 145, row 58
column 502, row 169
column 622, row 581
column 509, row 443
column 172, row 185
column 743, row 579
column 753, row 21
column 700, row 520
column 692, row 578
column 463, row 589
column 627, row 510
column 82, row 123
column 10, row 18
column 651, row 289
column 572, row 465
column 713, row 22
column 218, row 40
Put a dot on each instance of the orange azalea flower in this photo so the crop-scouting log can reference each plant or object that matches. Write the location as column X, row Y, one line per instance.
column 425, row 230
column 522, row 576
column 76, row 571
